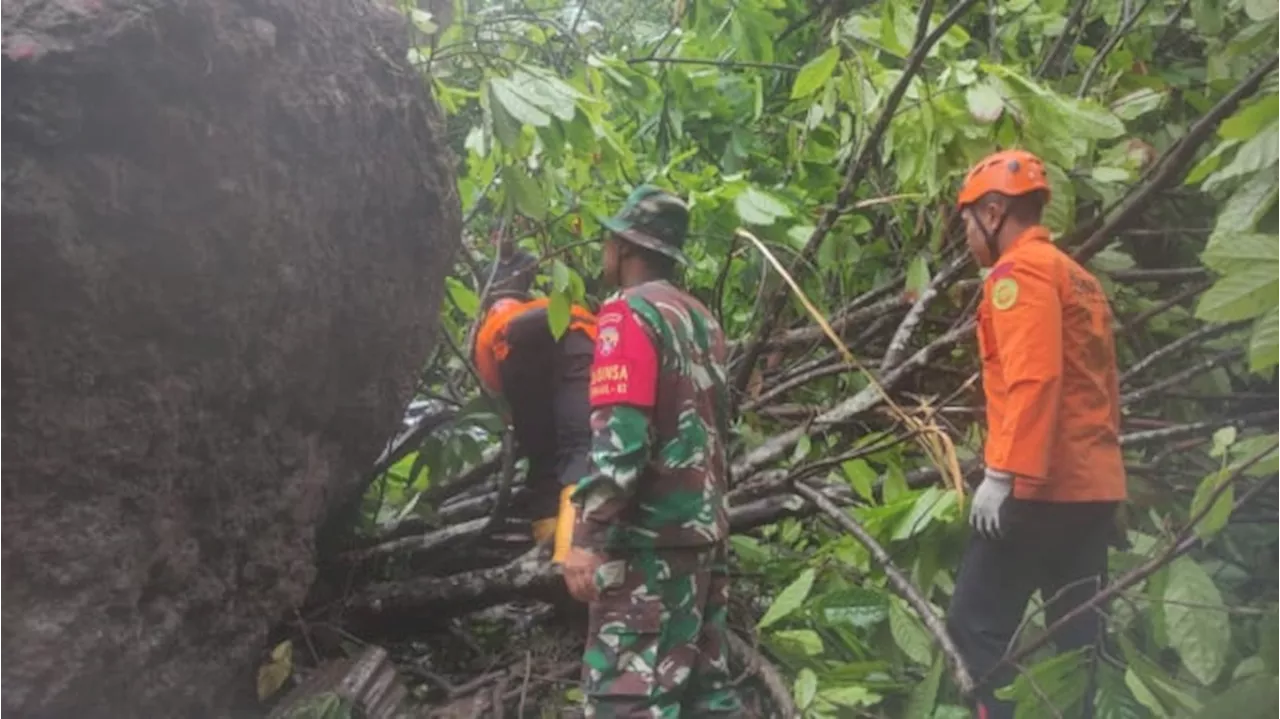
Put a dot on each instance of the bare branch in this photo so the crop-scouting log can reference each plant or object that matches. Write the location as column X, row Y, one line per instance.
column 1207, row 332
column 1108, row 46
column 1179, row 377
column 777, row 688
column 902, row 337
column 900, row 583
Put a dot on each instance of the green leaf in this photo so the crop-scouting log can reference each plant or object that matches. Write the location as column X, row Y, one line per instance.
column 806, row 688
column 1250, row 119
column 985, row 102
column 861, row 476
column 805, row 640
column 789, row 599
column 523, row 191
column 516, row 104
column 1138, row 103
column 1260, row 11
column 1233, row 253
column 815, row 73
column 1241, row 295
column 758, row 207
column 1196, row 620
column 924, row 696
column 917, row 276
column 1059, row 680
column 1218, row 515
column 851, row 696
column 1222, row 441
column 1142, row 693
column 1110, row 174
column 558, row 313
column 1060, row 213
column 1253, row 698
column 910, row 636
column 463, row 297
column 1264, row 344
column 1086, row 119
column 1247, row 205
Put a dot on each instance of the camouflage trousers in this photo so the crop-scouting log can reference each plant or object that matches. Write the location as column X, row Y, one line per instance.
column 656, row 637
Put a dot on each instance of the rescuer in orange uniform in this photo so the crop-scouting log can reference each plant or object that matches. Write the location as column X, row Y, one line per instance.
column 1044, row 513
column 544, row 382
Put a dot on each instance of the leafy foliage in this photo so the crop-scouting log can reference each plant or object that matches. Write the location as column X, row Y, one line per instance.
column 752, row 109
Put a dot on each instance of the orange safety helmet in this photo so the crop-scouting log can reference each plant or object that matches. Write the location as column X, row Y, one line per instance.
column 1010, row 172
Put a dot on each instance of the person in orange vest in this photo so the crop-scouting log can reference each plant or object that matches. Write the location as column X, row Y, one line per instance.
column 1044, row 514
column 544, row 382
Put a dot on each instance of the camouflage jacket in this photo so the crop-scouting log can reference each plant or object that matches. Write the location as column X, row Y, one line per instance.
column 659, row 425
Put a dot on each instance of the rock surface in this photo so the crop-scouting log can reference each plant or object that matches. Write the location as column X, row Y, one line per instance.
column 227, row 226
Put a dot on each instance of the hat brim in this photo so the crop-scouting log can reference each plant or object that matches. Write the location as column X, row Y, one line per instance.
column 626, row 231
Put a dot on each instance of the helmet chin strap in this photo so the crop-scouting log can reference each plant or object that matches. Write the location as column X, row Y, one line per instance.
column 991, row 236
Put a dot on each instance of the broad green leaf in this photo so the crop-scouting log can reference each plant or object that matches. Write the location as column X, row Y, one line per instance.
column 1222, row 441
column 917, row 276
column 560, row 278
column 910, row 636
column 928, row 505
column 523, row 191
column 815, row 73
column 1216, row 519
column 463, row 297
column 923, row 697
column 1196, row 620
column 1143, row 693
column 805, row 689
column 1172, row 696
column 1253, row 698
column 516, row 104
column 276, row 670
column 758, row 207
column 1138, row 103
column 1060, row 213
column 1260, row 11
column 1110, row 174
column 1258, row 154
column 1247, row 205
column 1226, row 254
column 984, row 102
column 1250, row 119
column 558, row 313
column 1114, row 700
column 852, row 696
column 1264, row 344
column 1241, row 295
column 861, row 476
column 1059, row 680
column 805, row 640
column 1088, row 120
column 788, row 600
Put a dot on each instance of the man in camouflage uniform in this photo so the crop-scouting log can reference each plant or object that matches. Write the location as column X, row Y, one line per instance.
column 650, row 542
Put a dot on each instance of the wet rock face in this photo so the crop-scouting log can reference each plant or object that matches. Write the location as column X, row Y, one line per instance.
column 226, row 227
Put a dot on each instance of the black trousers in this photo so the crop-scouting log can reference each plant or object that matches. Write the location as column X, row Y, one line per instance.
column 1057, row 548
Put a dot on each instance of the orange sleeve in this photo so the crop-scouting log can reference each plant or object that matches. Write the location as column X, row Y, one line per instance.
column 1026, row 319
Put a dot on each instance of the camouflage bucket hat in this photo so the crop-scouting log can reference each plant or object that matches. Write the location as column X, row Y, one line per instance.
column 653, row 219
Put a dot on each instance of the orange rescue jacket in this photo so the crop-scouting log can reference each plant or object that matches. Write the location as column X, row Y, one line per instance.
column 491, row 340
column 1049, row 373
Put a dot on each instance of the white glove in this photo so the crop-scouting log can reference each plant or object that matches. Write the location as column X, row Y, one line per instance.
column 984, row 514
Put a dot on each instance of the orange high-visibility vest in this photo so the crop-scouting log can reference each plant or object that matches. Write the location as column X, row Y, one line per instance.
column 1049, row 373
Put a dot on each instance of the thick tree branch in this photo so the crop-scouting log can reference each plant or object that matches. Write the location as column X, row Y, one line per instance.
column 778, row 689
column 900, row 583
column 902, row 337
column 1172, row 166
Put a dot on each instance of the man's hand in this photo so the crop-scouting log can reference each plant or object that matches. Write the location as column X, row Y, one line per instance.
column 984, row 515
column 579, row 569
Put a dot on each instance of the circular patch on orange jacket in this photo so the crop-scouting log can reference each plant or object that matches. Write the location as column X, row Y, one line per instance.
column 1004, row 293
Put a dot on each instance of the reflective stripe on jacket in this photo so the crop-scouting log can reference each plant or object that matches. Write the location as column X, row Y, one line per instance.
column 1049, row 373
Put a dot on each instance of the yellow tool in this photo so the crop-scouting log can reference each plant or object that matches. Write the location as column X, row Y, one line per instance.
column 564, row 525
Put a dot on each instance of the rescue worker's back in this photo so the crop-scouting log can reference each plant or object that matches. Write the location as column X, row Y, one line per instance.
column 1049, row 374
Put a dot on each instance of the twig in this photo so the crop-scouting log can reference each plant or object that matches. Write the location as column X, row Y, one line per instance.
column 857, row 170
column 524, row 688
column 1142, row 317
column 770, row 677
column 1068, row 31
column 904, row 587
column 1179, row 377
column 1108, row 46
column 1207, row 332
column 902, row 337
column 1177, row 274
column 797, row 381
column 1170, row 168
column 1193, row 428
column 504, row 484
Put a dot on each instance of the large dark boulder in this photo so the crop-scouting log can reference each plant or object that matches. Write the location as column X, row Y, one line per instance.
column 226, row 227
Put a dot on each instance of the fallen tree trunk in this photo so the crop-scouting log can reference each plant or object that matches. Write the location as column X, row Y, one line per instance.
column 227, row 225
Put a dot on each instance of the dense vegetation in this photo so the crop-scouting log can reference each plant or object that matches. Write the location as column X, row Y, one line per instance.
column 835, row 134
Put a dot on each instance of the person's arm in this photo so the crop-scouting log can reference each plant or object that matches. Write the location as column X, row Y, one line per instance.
column 1026, row 319
column 571, row 408
column 623, row 391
